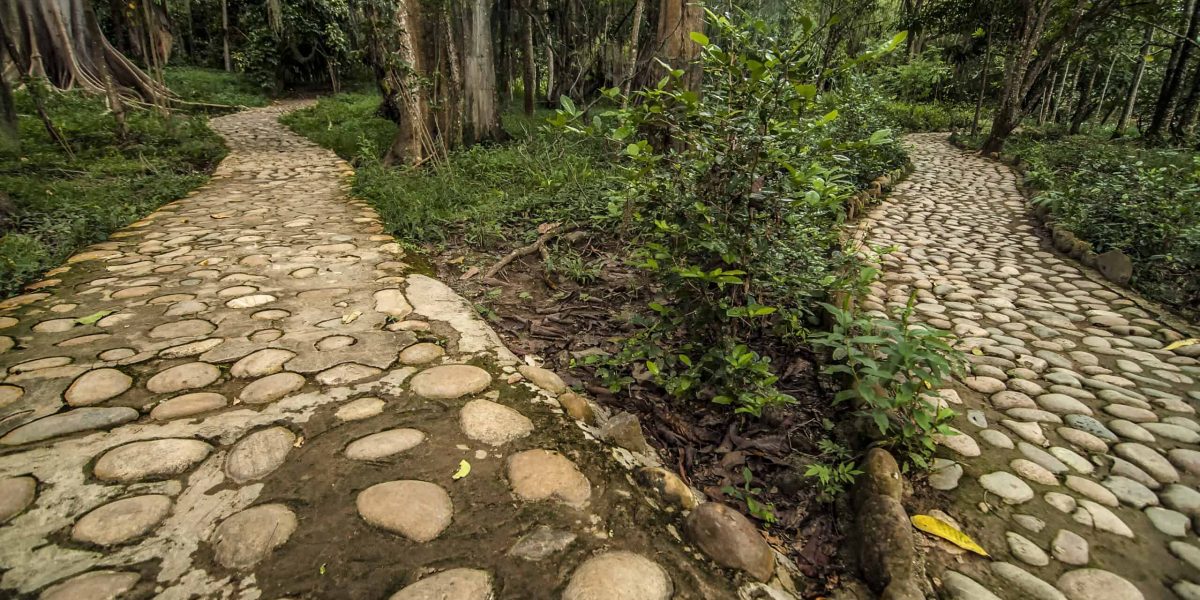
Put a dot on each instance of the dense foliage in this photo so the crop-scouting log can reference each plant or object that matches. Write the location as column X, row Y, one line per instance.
column 739, row 193
column 60, row 203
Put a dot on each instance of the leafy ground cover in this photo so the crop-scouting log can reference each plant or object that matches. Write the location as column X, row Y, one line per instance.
column 210, row 86
column 57, row 203
column 1121, row 195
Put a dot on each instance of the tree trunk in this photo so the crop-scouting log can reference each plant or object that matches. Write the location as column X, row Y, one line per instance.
column 225, row 34
column 635, row 32
column 1138, row 72
column 110, row 91
column 1046, row 96
column 528, row 66
column 1185, row 121
column 1084, row 107
column 983, row 79
column 1107, row 79
column 1056, row 100
column 414, row 143
column 53, row 38
column 1168, row 93
column 9, row 138
column 452, row 99
column 677, row 19
column 481, row 120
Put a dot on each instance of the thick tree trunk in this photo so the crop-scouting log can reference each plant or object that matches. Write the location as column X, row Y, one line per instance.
column 677, row 19
column 1168, row 93
column 1138, row 71
column 481, row 120
column 52, row 41
column 414, row 143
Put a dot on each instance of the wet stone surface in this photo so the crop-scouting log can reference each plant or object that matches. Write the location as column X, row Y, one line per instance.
column 273, row 405
column 1086, row 423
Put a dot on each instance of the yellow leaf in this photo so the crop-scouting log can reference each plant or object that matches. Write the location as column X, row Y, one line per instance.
column 93, row 318
column 976, row 351
column 1183, row 343
column 946, row 531
column 464, row 468
column 351, row 317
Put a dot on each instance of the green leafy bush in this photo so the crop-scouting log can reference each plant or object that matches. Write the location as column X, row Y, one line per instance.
column 890, row 365
column 61, row 204
column 738, row 194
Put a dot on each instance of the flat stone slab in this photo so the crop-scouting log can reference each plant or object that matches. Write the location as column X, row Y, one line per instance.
column 247, row 537
column 188, row 405
column 384, row 444
column 93, row 585
column 448, row 382
column 271, row 388
column 183, row 377
column 493, row 424
column 97, row 386
column 258, row 454
column 546, row 475
column 122, row 520
column 458, row 584
column 417, row 510
column 16, row 494
column 65, row 423
column 619, row 576
column 150, row 460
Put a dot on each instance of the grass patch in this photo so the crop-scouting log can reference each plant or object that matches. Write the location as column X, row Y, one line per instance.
column 59, row 204
column 933, row 116
column 486, row 194
column 1118, row 194
column 211, row 86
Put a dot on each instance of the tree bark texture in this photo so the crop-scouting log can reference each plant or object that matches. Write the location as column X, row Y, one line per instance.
column 481, row 119
column 52, row 41
column 677, row 19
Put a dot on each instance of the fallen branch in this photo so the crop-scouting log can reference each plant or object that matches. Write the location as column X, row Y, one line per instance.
column 537, row 246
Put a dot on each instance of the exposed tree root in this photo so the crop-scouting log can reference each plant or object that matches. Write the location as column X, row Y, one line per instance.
column 538, row 246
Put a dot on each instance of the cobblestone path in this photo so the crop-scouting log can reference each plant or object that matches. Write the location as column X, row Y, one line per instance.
column 249, row 394
column 1079, row 459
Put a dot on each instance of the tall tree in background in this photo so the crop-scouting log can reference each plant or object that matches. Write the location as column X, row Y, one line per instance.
column 481, row 121
column 1045, row 27
column 1168, row 93
column 673, row 45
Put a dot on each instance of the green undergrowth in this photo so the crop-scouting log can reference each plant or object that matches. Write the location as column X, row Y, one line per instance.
column 492, row 195
column 932, row 116
column 1119, row 194
column 210, row 86
column 58, row 204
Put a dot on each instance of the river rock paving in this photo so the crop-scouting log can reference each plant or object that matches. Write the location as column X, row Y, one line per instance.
column 251, row 393
column 1088, row 426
